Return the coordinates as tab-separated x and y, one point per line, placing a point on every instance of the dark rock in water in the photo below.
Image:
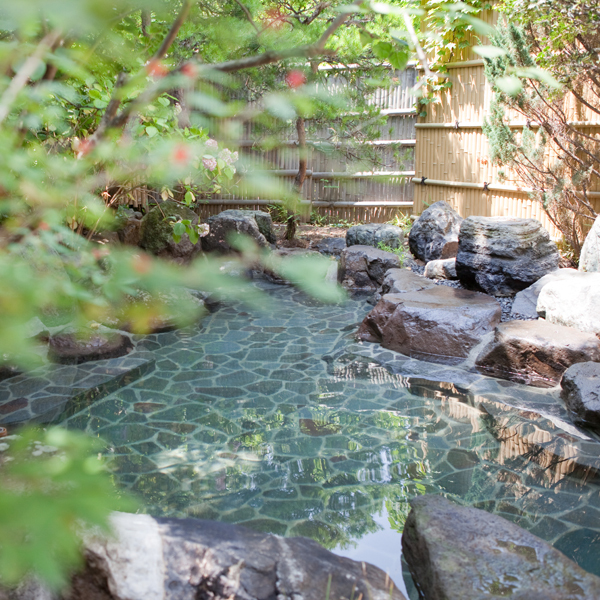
535	352
374	234
189	559
441	269
526	300
434	235
330	246
222	227
573	302
461	553
581	393
73	349
364	267
440	324
589	260
503	255
156	234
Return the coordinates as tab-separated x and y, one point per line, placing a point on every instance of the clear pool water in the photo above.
244	421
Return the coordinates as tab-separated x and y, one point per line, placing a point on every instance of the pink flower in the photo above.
209	163
212	143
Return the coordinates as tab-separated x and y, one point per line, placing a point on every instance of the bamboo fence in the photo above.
451	155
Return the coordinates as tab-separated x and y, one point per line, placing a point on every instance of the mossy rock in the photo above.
157	232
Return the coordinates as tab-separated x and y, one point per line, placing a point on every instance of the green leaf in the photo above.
398	60
151	130
509	85
189	198
365	38
279	106
489	51
382	49
538	74
164	101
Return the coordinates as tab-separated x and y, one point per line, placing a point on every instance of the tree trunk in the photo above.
292	219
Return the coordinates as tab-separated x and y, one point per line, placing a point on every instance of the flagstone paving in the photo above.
279	420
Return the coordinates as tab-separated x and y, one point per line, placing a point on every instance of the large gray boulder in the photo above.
189	559
581	393
223	227
573	302
525	304
503	255
156	232
374	234
434	234
462	553
364	267
440	324
536	353
589	259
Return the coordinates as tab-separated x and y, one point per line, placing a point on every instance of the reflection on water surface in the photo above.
243	421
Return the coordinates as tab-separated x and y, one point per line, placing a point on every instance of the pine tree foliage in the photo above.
553	156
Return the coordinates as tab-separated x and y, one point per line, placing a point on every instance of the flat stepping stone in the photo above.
69	349
535	352
440	324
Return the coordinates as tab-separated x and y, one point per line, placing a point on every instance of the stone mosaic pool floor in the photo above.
278	420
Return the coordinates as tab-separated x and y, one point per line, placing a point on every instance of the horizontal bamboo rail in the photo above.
294	143
493	187
337	174
513	125
317	203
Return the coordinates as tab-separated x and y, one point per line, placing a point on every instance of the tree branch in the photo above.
248	15
19	81
337	23
181	17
